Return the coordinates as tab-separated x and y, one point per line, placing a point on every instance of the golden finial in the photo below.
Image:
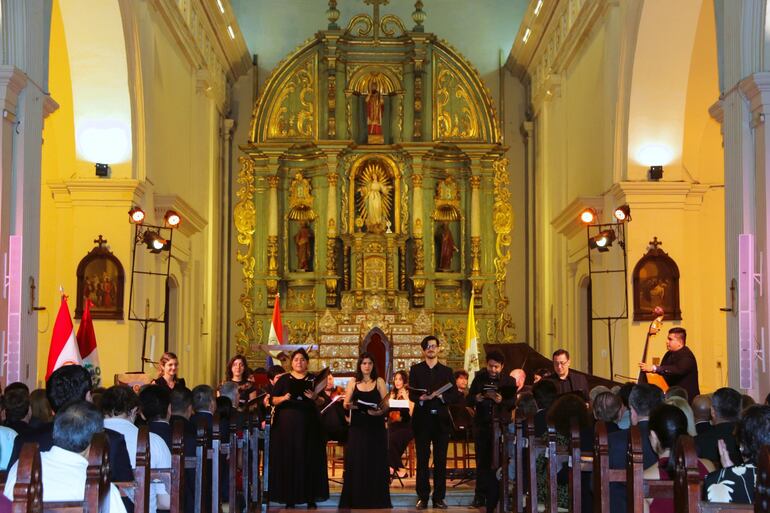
418	16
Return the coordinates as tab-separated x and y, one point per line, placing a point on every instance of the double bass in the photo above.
650	377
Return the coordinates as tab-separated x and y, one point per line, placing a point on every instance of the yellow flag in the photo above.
471	344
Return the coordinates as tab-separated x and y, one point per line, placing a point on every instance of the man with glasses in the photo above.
430	420
565	380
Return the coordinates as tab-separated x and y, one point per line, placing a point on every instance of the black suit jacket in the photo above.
680	368
618	450
423	377
189	474
574	383
706	443
702	427
162	429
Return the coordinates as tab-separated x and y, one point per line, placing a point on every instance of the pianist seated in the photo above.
64	467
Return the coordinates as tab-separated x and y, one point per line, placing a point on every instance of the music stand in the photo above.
462	427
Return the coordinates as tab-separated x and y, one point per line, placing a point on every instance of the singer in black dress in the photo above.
399	425
297	449
366	484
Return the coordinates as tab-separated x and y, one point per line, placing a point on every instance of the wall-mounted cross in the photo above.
101	241
376	15
655	243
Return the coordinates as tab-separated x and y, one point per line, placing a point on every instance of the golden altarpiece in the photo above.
373	193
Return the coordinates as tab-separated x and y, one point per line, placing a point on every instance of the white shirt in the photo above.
7	436
64	478
160	455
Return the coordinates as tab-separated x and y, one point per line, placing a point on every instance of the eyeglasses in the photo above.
431	346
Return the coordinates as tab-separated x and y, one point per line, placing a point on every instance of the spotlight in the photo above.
623	213
154	242
102	169
136	215
602	241
655	173
588	216
172	219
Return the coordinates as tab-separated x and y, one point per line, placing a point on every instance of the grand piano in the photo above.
522	356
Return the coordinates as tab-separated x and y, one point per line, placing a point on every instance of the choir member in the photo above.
399	424
297	449
238	373
366	480
169	366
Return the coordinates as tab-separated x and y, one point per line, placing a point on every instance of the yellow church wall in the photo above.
180	144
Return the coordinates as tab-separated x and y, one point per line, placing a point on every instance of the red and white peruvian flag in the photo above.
87	345
64	347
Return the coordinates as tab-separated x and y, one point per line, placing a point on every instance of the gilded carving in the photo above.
300	199
396	23
449	298
417	106
327	323
452	333
455	111
349	115
331	123
244	216
447	201
365	22
301	298
292	114
301	331
502	222
475	255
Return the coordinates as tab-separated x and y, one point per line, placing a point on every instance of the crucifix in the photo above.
100	241
376	15
654	243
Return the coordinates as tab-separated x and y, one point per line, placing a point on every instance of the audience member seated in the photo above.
67	384
17	410
7	436
64	465
540	374
677	391
120	407
667	423
526	406
598	389
204	405
643	399
608	407
461	383
725	409
735	482
682	404
40	408
623	393
767	400
545	394
155	401
746	401
181	409
701	410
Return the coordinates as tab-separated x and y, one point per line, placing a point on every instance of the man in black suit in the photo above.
565	380
430	421
725	412
678	366
544	392
643	399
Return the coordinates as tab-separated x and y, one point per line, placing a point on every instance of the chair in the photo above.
335	455
173	477
138	490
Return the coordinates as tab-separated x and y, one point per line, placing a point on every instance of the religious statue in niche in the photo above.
446	245
374	109
656	284
303	241
375	198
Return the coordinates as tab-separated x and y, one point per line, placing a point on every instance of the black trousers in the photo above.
431	431
487	486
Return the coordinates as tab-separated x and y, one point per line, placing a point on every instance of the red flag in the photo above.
276	327
64	347
87	345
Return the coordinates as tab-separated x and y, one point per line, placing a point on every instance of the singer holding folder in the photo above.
297	448
431	389
366	481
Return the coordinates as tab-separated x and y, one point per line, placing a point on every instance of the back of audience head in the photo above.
595	391
274	372
545	393
667	423
624	392
181	402
701	408
682	404
566	408
753	432
39	406
767	400
746	401
526	406
519	376
677	391
224	406
230	390
203	399
642	400
120	401
155	402
541	373
75	424
16	403
66	384
607	407
725	405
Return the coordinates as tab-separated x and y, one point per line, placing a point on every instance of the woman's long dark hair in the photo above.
359	374
246	370
404	378
669	423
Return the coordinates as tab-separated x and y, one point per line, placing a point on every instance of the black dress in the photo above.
297	452
399	435
365	481
161	381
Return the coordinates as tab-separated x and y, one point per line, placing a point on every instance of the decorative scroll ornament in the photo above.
292	114
300	199
455	110
375	197
447	201
245	218
502	222
390	23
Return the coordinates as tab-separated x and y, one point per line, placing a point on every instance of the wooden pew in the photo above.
138	490
201	465
173	477
533	448
28	490
603	475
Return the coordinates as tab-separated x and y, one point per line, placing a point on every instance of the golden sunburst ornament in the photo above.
375	199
